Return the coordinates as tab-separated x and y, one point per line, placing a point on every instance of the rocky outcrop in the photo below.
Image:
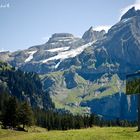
92	35
131	13
70	79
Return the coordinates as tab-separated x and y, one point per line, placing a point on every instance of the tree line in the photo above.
15	114
53	120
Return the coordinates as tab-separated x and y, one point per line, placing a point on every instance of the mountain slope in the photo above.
87	74
23	85
49	56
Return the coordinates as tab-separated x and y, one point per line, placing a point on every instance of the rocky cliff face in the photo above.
131	13
114	106
92	35
88	74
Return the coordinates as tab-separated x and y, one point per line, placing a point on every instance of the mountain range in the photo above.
87	74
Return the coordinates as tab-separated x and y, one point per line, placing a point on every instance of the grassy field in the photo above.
95	133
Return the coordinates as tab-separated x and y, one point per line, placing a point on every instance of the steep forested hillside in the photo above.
24	85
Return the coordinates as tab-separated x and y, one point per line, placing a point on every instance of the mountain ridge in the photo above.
78	71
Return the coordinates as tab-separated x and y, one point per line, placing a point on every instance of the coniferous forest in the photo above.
20	105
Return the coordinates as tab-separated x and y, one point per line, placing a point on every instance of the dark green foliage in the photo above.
9	113
25	114
14	113
133	83
64	121
24	86
133	86
3	98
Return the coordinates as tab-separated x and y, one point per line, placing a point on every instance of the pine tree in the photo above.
9	113
25	115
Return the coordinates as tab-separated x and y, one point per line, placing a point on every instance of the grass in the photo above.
85	91
70	99
95	133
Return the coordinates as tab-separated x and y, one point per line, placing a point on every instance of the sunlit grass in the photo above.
95	133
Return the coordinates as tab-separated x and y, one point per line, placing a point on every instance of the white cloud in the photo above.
102	27
136	5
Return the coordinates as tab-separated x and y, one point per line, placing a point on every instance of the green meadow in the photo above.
95	133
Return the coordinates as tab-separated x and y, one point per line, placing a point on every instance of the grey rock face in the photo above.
114	106
118	51
131	13
4	56
69	79
92	35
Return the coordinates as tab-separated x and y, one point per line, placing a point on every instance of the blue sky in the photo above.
24	23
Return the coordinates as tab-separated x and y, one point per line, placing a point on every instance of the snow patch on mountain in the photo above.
64	40
56	66
58	49
69	53
30	57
